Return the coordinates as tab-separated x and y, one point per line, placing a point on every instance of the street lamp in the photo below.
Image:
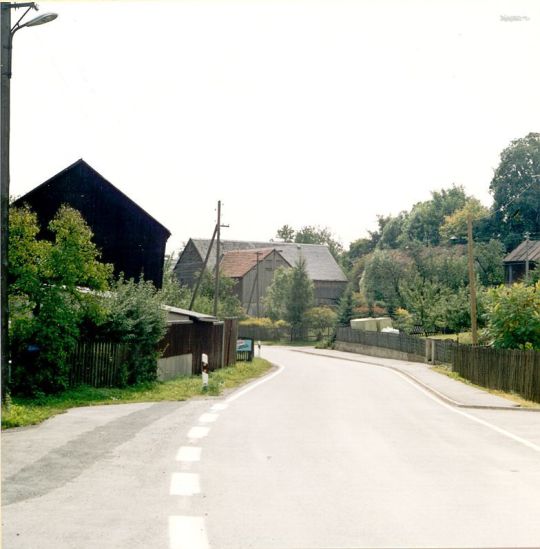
6	38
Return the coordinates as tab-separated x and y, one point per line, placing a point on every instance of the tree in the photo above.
381	278
277	294
135	316
345	308
455	224
300	297
513	316
516	190
48	310
425	219
320	319
286	233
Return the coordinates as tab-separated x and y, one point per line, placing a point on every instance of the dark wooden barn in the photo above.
128	237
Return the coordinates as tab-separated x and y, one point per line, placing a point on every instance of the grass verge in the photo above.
25	411
524	403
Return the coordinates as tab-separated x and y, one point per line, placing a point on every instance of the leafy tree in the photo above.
392	231
455	224
489	258
516	190
382	275
320	319
48	309
277	294
425	219
300	298
357	249
513	316
286	233
135	316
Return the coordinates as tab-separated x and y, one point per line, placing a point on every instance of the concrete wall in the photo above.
175	366
371	350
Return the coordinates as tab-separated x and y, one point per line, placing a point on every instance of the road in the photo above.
322	453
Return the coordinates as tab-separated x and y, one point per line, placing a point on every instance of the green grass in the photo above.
20	412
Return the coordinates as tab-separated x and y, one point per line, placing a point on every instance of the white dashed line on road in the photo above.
189	454
187	533
198	432
185	484
208	418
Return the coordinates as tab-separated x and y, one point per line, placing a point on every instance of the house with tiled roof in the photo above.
253	271
329	281
516	262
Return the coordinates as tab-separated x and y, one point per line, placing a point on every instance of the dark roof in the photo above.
530	250
20	201
236	263
320	263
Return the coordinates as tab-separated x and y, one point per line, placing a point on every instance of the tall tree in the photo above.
286	233
300	297
516	190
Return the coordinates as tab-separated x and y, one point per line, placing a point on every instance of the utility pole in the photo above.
527	244
218	251
472	281
258	254
5	36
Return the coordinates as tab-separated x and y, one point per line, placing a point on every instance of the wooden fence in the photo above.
99	364
504	369
397	342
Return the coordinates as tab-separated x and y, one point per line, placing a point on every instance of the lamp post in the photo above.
6	38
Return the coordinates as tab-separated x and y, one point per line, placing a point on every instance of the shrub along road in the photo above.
319	453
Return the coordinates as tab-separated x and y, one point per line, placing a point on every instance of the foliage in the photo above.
455	224
300	297
320	319
48	309
135	317
489	259
382	276
345	308
403	320
516	190
513	316
286	233
357	249
263	322
278	293
425	219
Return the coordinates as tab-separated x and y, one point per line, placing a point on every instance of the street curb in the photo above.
436	393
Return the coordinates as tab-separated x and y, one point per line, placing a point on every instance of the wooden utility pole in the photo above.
5	35
472	281
258	254
218	251
528	243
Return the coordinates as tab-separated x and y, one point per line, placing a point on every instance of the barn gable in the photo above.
127	236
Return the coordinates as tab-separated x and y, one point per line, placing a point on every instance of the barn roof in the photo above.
236	263
85	166
320	263
530	250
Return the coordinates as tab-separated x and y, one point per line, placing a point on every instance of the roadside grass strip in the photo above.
187	533
20	411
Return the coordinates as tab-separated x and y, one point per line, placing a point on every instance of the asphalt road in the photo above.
323	453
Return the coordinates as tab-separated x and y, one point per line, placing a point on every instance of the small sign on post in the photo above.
244	349
204	360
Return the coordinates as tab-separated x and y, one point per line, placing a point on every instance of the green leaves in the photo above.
513	316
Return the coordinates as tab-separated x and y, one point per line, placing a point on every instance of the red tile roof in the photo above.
237	263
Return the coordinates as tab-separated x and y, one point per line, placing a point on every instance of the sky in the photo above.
324	113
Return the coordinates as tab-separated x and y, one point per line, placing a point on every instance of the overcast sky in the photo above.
290	112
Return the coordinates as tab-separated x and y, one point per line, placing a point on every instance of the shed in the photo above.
127	236
515	262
